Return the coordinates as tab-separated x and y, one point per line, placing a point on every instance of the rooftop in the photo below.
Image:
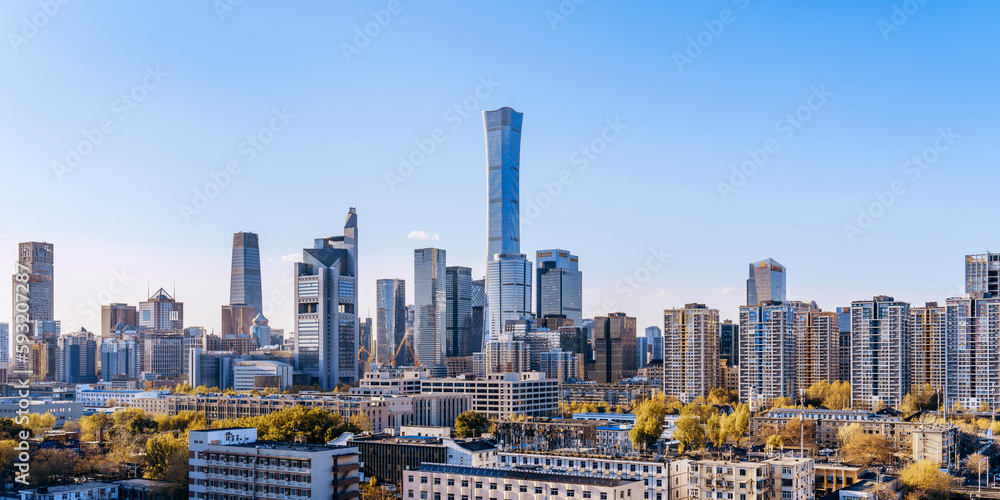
528	475
89	485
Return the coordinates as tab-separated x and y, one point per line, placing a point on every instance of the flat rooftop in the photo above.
527	475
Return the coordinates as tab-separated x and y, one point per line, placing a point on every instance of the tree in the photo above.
160	449
648	424
883	491
925	476
847	432
91	424
690	433
738	423
315	425
793	431
10	430
782	402
372	490
920	398
975	463
867	449
54	467
112	402
715	429
183	421
775	442
721	396
361	421
471	424
41	422
8	455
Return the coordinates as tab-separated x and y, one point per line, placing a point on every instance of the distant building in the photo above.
76	358
261	331
528	393
36	260
390	322
844	364
161	313
429	284
880	352
561	365
115	313
818	338
388	457
506	355
237	319
560	285
163	354
971	338
691	351
614	349
766	282
508	290
458	313
89	489
478	326
729	342
768	350
120	359
982	275
655	337
248	375
244	282
485	481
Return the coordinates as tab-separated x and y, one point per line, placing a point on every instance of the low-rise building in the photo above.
546	434
784	478
93	396
661	479
386	457
392	381
146	489
91	490
63	411
502	395
232	463
259	374
433	481
832	477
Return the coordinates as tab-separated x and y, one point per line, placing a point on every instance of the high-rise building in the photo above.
844	325
880	352
119	359
478	302
163	353
641	351
261	331
691	351
508	291
614	349
244	281
116	313
458	328
655	337
326	319
818	339
503	163
560	365
4	342
506	355
972	368
768	350
34	259
766	282
560	285
927	354
76	358
365	340
729	342
982	275
429	294
237	319
161	313
390	322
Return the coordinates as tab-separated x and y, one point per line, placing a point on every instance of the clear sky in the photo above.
826	101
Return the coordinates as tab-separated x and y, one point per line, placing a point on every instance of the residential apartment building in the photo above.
433	481
691	351
232	463
660	480
880	352
818	348
784	478
768	353
972	340
501	395
927	352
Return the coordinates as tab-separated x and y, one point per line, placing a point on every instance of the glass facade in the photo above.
244	282
390	321
38	258
161	313
458	328
503	157
429	285
766	282
560	285
508	291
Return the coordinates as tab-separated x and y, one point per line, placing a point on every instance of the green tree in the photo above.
471	424
648	424
926	478
91	424
738	422
774	442
715	429
690	433
160	449
361	421
39	423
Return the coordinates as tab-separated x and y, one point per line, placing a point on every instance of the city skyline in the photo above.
667	161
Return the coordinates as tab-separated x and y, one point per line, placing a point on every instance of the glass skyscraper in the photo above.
503	161
36	260
458	329
244	282
560	285
326	319
766	282
429	271
390	322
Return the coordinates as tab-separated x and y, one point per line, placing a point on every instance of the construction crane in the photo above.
409	347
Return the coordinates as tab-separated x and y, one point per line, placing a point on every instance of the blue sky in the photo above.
869	90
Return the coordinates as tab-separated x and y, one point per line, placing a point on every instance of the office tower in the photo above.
391	322
478	326
614	349
729	342
116	313
35	260
766	282
76	358
163	353
506	355
365	340
458	328
655	337
560	285
574	339
880	352
972	368
119	360
691	351
927	354
641	351
194	337
430	297
244	281
818	338
261	331
768	367
326	320
237	319
982	275
4	342
560	365
161	313
844	325
508	290
503	162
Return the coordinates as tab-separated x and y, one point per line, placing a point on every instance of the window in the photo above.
604	496
437	480
522	489
465	483
538	490
586	494
506	487
451	482
423	479
479	484
571	493
493	486
423	495
553	491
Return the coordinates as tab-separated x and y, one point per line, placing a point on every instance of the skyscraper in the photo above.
237	319
76	358
326	319
927	355
560	285
691	351
844	325
36	260
244	281
430	297
116	313
503	162
458	330
655	337
508	290
478	315
261	331
970	361
161	313
766	282
119	358
4	342
880	352
818	338
982	275
503	159
768	351
729	342
390	319
614	349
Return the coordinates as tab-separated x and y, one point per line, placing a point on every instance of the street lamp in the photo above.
979	468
